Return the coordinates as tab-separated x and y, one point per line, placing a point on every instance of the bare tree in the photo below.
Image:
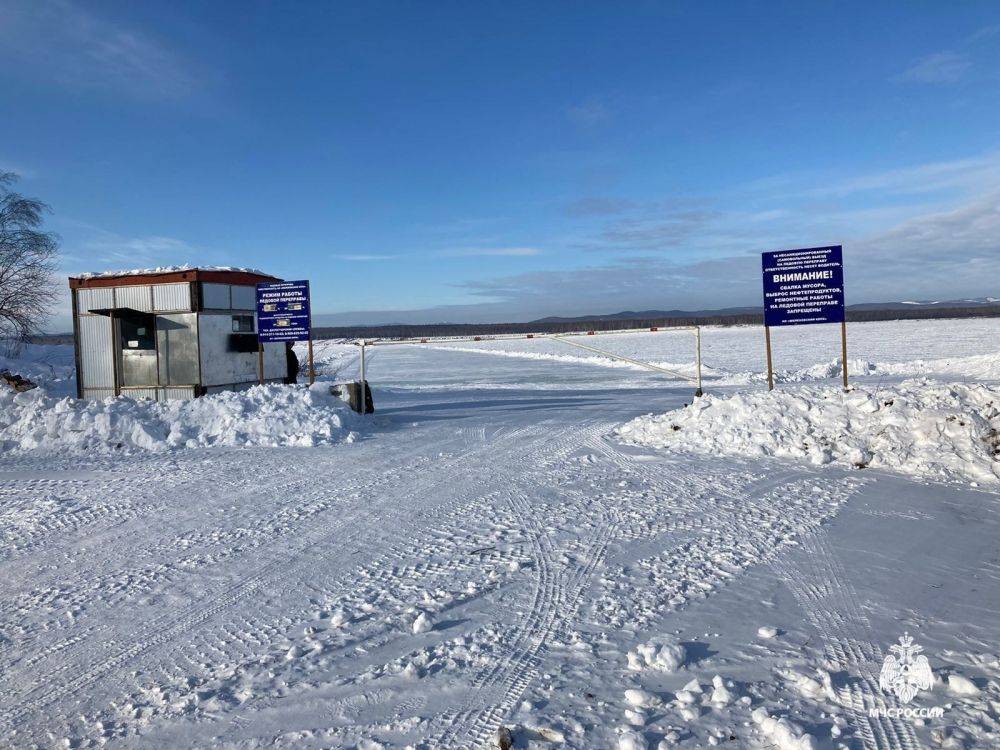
27	265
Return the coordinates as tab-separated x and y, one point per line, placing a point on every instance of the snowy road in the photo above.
264	597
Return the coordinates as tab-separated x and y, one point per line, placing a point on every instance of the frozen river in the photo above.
486	554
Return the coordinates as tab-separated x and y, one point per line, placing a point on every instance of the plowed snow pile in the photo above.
921	427
263	415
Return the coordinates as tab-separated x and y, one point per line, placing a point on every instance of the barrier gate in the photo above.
565	338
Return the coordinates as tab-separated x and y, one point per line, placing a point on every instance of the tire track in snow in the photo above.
69	679
558	441
555	602
821	586
141	579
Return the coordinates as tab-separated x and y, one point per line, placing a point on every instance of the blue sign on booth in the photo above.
283	311
803	286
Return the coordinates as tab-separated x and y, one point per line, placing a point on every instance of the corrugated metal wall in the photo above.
101	298
136	297
96	352
172	297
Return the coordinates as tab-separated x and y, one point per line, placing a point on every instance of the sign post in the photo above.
284	315
803	287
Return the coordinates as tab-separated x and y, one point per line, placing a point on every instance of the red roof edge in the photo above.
239	278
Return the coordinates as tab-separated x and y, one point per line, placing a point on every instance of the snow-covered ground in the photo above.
493	549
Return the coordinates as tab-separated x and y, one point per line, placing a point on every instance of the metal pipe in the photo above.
843	350
626	359
697	337
362	367
507	336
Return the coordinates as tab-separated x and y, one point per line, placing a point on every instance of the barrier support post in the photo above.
312	370
697	336
260	362
362	366
770	369
843	349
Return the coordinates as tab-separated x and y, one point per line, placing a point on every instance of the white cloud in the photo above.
514	252
941	67
364	257
972	173
968	231
77	48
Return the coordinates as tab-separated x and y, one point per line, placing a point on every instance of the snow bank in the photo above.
263	415
51	365
920	427
977	367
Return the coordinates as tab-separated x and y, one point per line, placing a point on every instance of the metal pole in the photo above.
312	370
260	362
843	349
362	368
697	336
770	369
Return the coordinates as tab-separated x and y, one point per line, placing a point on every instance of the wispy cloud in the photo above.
938	255
922	230
970	230
966	174
513	252
589	112
364	257
78	48
110	249
599	206
941	67
668	231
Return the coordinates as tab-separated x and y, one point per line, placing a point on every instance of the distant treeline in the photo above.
492	329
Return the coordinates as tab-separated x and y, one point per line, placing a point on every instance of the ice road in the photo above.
487	553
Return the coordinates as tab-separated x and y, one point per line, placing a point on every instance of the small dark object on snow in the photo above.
16	382
675	427
504	740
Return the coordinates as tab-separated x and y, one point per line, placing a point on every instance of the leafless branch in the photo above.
27	265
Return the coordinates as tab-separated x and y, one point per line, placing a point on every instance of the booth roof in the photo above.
166	274
166	269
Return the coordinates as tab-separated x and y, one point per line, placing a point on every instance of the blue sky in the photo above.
506	161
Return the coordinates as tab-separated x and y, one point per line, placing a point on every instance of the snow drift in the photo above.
262	415
920	427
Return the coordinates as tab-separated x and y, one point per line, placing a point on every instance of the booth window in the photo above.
243	324
137	333
243	338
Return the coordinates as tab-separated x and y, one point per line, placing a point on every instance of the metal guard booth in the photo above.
169	334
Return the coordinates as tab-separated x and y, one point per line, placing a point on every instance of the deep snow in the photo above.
488	552
268	415
922	427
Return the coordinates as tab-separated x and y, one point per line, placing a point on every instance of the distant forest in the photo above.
492	329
